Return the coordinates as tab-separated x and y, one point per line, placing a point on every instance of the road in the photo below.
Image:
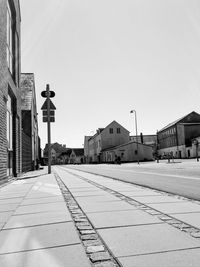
180	178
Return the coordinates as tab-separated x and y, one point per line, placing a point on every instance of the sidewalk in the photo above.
37	228
141	227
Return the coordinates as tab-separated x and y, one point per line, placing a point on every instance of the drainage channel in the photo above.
98	253
178	224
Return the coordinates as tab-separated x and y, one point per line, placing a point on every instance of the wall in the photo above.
127	153
26	153
11	82
114	139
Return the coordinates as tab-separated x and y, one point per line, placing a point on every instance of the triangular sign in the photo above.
44	106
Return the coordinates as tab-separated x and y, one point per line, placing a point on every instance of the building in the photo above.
57	151
30	146
175	139
10	96
128	153
112	135
76	156
147	139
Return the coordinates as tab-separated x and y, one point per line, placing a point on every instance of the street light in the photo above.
134	111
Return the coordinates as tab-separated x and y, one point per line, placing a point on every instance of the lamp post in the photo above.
134	111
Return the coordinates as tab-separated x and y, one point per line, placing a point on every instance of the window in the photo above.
111	130
118	130
9	38
12	46
9	115
9	123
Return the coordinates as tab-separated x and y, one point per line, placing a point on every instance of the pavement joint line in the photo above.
191	230
40	203
95	253
19	204
128	225
159	252
36	249
36	225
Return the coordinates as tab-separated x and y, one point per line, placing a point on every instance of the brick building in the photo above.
10	99
30	146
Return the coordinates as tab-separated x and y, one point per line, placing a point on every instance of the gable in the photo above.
115	124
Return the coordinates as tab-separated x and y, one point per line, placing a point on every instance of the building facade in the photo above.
30	144
128	153
112	135
10	97
175	140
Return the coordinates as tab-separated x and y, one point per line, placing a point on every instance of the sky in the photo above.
105	58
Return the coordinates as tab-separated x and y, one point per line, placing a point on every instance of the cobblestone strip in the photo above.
97	252
187	228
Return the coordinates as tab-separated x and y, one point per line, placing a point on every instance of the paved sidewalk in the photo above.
137	237
36	226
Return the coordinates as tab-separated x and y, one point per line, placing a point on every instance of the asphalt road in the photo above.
180	178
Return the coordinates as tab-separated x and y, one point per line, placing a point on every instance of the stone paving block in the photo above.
121	218
4	216
16	200
99	199
172	208
134	240
8	207
43	194
190	218
38	237
58	206
13	195
26	220
105	264
105	206
33	201
88	193
180	258
89	189
99	256
95	248
72	256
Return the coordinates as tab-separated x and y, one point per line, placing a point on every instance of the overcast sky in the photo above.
104	58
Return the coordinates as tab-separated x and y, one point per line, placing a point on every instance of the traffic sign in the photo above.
44	112
51	94
44	106
45	119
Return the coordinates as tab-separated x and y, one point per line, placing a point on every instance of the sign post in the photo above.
48	116
48	129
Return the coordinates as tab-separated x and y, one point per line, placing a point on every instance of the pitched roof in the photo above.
100	130
178	121
27	86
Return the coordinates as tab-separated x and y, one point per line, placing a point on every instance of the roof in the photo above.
100	130
179	120
78	151
27	86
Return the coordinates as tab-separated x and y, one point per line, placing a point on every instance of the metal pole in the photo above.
136	136
48	129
